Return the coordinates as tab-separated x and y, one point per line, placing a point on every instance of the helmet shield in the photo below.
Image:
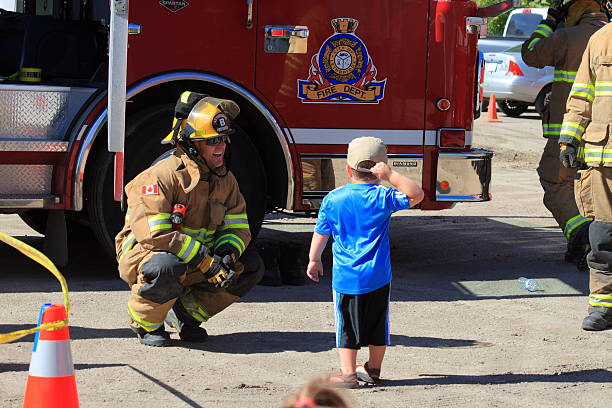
210	117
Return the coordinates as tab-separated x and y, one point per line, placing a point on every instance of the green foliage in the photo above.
497	24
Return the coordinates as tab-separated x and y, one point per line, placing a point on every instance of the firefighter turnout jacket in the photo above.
588	125
589	108
215	216
561	48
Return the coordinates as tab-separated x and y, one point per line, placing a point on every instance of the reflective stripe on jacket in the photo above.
561	49
588	121
215	214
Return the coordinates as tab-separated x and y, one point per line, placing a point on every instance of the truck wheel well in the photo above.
261	133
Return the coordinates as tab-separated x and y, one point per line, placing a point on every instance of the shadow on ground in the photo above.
430	255
76	332
256	342
581	376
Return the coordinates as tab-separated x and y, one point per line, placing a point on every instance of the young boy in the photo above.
357	215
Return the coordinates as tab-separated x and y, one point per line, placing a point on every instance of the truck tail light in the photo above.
453	138
514	69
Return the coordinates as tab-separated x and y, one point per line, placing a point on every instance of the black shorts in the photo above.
362	320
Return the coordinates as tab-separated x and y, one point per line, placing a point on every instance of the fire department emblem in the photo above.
343	70
174	5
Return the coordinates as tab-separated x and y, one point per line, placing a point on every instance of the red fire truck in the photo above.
308	76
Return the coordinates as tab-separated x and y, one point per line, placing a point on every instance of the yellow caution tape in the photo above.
46	262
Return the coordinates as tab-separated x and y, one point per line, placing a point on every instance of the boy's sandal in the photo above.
343	381
367	374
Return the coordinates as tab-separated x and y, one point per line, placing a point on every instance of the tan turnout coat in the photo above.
215	214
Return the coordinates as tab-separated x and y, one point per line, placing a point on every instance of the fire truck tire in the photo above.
246	164
144	132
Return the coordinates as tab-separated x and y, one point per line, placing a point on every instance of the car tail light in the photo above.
454	138
527	10
514	69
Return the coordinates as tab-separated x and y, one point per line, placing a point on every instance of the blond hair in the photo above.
317	394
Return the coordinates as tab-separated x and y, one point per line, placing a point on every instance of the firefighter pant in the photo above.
594	199
164	279
558	184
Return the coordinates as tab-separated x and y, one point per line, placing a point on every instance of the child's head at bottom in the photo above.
317	394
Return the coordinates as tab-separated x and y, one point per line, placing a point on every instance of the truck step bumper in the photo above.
29	201
464	176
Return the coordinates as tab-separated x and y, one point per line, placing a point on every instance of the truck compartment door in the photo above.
344	65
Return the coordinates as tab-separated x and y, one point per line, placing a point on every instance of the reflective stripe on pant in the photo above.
600	262
558	184
204	300
150	301
158	284
594	198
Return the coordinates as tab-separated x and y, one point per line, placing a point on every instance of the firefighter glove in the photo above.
568	156
557	12
220	274
228	253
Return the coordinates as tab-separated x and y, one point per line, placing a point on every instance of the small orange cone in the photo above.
492	111
51	382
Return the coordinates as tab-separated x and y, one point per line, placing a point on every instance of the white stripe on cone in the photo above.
58	350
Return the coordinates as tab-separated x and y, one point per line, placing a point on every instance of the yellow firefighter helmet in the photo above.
209	118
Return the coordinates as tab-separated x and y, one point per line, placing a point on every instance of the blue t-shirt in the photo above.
357	216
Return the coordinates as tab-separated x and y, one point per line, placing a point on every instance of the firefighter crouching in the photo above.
563	49
586	135
186	229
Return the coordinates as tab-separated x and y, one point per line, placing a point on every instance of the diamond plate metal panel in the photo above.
33	146
33	114
20	179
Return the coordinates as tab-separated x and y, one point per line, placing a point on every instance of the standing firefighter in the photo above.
185	229
587	128
562	48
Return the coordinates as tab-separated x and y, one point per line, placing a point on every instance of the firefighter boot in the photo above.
156	338
269	253
599	318
187	327
292	264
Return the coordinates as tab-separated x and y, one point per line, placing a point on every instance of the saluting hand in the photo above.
382	171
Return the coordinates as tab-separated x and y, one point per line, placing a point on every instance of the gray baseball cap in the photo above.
365	149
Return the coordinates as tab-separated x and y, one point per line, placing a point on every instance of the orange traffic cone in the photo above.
492	111
51	382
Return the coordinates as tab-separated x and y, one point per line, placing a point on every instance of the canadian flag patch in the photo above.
151	189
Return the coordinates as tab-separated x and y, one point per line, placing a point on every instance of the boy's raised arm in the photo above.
414	193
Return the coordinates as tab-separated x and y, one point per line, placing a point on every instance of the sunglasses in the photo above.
214	141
